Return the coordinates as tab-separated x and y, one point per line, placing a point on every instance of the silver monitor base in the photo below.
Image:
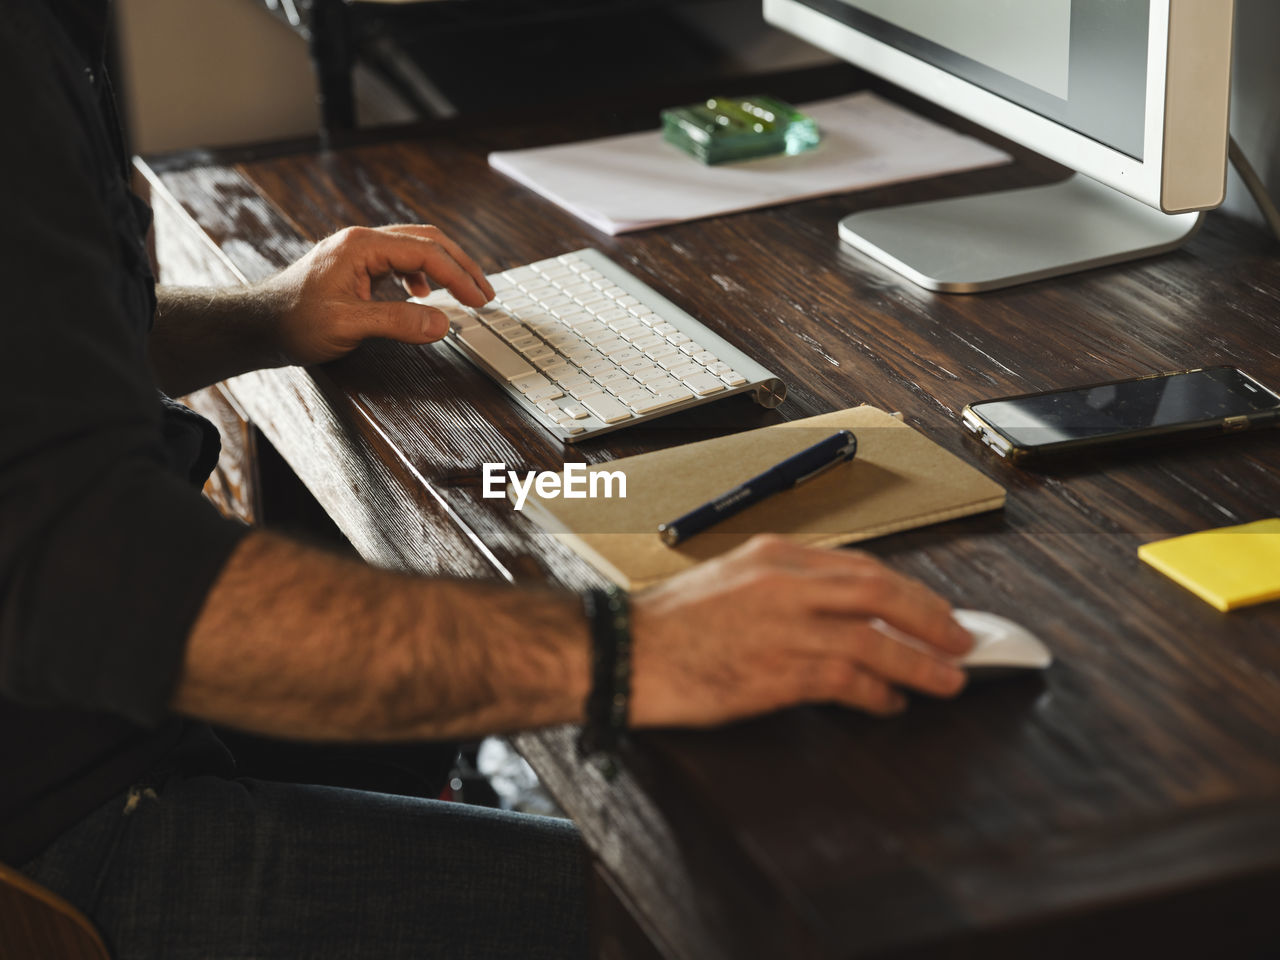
995	240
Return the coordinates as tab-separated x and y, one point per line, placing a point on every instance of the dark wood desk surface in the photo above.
1130	796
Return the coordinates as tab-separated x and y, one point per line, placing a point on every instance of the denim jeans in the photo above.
210	868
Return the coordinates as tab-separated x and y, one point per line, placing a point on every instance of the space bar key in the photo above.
506	362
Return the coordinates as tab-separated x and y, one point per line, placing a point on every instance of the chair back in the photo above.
37	923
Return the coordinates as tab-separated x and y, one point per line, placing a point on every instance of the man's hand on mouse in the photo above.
322	305
773	624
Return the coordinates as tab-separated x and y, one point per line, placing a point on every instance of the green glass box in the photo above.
723	129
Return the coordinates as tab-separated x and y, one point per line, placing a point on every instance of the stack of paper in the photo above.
620	184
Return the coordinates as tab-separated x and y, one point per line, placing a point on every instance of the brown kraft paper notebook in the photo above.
899	480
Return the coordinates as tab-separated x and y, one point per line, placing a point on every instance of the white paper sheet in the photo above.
635	181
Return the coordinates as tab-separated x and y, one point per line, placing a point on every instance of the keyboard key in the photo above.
613	316
606	408
530	381
677	338
614	346
459	318
650	375
704	384
614	376
522	339
641	407
733	378
629	327
548	392
636	366
665	329
577	411
634	395
663	384
686	370
502	359
596	367
719	369
705	357
627	355
518	274
562	338
580	353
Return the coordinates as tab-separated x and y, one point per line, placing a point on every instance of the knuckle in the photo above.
765	544
350	236
874	590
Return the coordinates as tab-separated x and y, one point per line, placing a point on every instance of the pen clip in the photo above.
843	455
821	470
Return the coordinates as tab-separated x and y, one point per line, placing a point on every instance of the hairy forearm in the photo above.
294	642
204	334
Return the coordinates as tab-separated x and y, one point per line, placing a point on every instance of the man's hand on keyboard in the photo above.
323	303
773	624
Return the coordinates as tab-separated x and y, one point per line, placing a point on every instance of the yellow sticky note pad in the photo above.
1229	567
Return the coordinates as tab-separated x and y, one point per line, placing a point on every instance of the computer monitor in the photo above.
1132	94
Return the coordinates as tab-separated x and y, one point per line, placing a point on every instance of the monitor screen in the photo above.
1079	63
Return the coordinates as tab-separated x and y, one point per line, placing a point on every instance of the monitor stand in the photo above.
993	240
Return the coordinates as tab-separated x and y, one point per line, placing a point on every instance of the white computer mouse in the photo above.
1000	645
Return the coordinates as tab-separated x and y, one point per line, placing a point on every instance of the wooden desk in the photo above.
1128	800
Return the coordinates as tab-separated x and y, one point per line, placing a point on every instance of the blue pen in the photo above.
808	463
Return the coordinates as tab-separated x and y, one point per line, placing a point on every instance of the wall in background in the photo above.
1255	104
211	72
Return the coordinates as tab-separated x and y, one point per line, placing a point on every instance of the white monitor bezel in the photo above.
1187	104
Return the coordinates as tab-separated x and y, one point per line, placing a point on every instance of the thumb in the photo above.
405	321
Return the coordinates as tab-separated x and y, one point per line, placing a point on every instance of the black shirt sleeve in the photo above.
107	551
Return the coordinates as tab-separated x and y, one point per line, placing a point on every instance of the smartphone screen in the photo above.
1126	407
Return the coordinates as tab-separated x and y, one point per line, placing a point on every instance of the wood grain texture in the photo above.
233	486
1137	781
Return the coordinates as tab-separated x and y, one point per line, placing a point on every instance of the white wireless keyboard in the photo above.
587	348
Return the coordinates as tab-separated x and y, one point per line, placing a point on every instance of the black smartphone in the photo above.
1162	406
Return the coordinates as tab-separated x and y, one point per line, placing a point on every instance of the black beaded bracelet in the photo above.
609	702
